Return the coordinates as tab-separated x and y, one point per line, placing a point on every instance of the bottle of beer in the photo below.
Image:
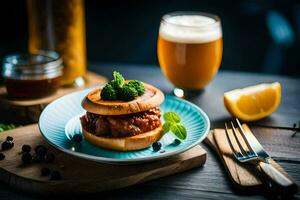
59	25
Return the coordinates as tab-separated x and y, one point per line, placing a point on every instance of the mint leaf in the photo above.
179	130
173	123
171	117
166	127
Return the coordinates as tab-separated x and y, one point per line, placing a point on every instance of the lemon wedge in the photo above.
254	102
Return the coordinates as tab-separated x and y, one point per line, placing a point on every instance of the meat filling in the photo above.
122	125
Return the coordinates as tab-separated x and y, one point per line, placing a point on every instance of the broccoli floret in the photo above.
138	85
127	93
118	81
108	93
118	89
115	84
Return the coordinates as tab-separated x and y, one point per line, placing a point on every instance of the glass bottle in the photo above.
59	25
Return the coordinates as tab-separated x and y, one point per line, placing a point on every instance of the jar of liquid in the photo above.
59	25
32	75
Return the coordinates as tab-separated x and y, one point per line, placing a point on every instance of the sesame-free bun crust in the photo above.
93	103
136	142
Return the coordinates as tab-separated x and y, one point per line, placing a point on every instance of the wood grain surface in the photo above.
79	175
243	176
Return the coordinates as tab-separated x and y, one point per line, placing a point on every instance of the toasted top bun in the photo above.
93	103
136	142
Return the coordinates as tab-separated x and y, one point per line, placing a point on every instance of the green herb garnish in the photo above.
5	127
117	89
127	93
138	85
109	93
296	127
172	123
118	81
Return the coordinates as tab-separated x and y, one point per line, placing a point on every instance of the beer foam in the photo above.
190	29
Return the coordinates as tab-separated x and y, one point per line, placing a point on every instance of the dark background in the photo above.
259	36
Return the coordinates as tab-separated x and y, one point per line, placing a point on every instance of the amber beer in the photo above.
190	49
59	25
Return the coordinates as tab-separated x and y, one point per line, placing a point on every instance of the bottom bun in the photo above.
136	142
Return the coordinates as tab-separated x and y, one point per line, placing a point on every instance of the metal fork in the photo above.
251	152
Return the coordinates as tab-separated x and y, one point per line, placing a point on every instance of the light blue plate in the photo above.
60	121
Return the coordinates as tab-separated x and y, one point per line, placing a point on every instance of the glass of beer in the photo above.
189	50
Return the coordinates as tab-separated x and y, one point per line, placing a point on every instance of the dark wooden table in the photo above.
211	181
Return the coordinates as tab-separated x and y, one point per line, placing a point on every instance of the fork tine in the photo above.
235	153
243	152
244	136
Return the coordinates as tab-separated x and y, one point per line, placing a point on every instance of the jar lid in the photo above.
44	64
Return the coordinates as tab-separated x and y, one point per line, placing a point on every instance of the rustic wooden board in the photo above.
29	110
79	175
243	176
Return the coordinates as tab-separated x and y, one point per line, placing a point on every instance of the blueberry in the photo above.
55	175
49	157
26	148
2	156
77	138
40	150
7	145
39	158
26	157
45	171
156	146
9	138
177	141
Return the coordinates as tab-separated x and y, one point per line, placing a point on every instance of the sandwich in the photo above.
123	115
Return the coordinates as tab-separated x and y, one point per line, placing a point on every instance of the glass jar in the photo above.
32	75
59	25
